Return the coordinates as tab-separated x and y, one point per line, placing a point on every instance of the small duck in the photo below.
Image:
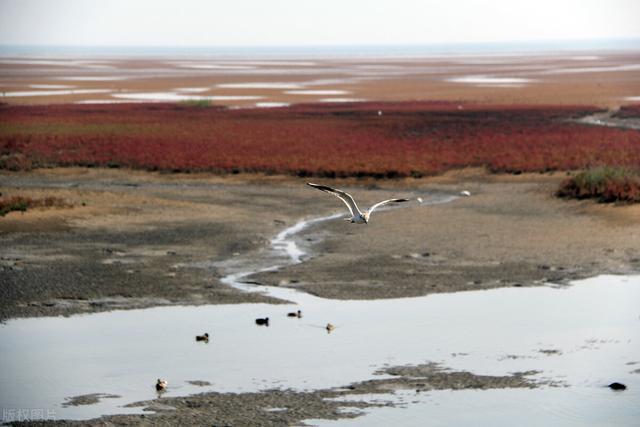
204	337
617	386
294	314
161	385
330	327
261	321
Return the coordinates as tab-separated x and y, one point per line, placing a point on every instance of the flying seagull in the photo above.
357	216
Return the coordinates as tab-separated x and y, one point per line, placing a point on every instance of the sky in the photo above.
311	22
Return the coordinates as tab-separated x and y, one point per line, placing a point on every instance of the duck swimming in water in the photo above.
261	321
204	337
330	327
295	314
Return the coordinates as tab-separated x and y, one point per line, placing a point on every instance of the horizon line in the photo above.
336	45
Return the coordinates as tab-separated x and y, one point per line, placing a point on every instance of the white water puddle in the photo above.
59	63
93	78
601	69
317	92
378	67
107	101
22	93
216	66
175	97
586	336
585	58
338	100
192	89
340	81
37	86
490	80
502	85
277	63
272	104
260	85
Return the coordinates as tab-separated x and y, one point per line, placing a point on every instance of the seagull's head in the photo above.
365	217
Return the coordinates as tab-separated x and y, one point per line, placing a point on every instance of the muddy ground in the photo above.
287	407
135	239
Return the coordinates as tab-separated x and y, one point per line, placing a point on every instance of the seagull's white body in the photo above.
357	216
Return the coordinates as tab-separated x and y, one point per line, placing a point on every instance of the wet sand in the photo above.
601	78
136	239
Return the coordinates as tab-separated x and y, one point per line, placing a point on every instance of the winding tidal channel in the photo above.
579	338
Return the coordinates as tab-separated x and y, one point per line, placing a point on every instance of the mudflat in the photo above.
140	239
602	78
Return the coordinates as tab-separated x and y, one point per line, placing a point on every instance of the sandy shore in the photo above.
137	239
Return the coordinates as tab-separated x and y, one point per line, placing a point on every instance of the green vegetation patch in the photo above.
197	103
607	184
21	203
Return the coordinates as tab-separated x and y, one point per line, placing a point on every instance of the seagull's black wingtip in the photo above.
320	187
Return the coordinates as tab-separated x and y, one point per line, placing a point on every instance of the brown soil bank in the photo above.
143	239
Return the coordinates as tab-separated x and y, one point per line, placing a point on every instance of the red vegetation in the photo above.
408	139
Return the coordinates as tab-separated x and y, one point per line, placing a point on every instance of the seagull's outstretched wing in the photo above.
386	202
345	197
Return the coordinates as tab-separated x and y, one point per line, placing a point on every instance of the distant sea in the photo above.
417	50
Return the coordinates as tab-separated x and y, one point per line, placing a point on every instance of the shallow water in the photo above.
215	66
172	96
338	100
45	86
542	407
599	69
585	336
107	101
492	80
317	92
272	104
59	62
585	58
260	85
57	92
592	325
192	89
92	78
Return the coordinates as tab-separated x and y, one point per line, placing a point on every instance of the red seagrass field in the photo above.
358	139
